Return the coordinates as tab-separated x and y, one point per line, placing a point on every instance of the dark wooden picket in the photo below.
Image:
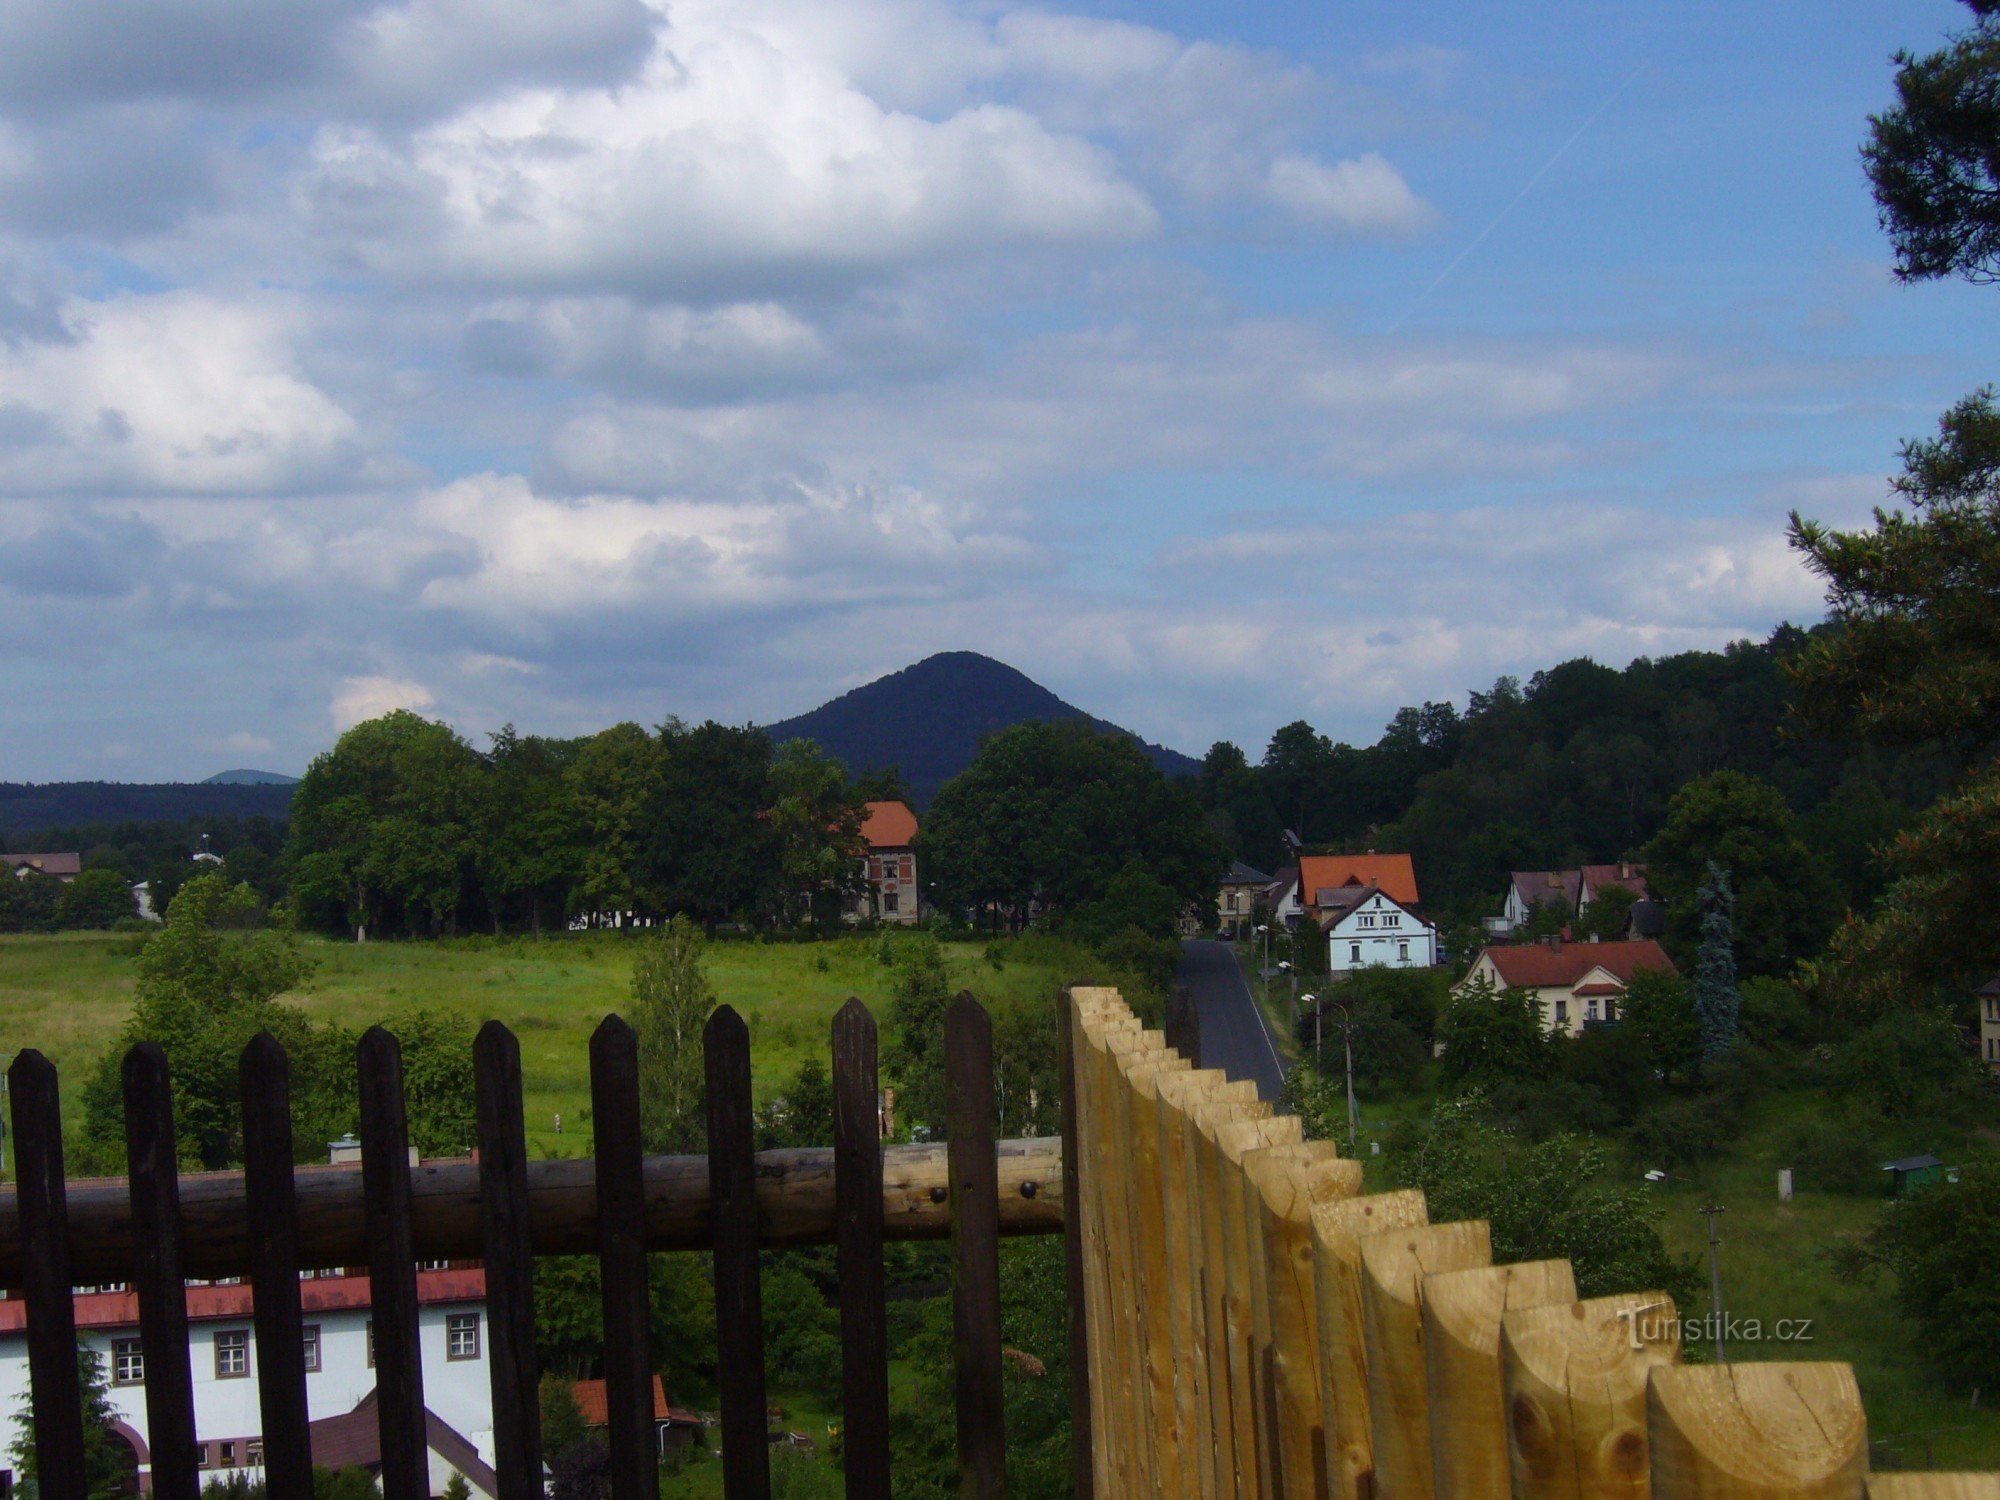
975	1249
41	1193
392	1270
158	1271
259	1225
621	1258
739	1304
864	1317
271	1198
508	1245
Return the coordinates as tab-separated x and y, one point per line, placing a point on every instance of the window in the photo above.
1392	920
310	1340
461	1336
1403	952
128	1362
1354	953
433	1265
253	1453
225	1455
371	1343
891	901
201	1457
232	1354
1562	1012
1590	1011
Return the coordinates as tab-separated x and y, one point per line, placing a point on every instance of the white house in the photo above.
340	1365
1370	929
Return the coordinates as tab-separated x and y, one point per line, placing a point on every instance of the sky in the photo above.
559	362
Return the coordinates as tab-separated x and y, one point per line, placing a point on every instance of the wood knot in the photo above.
1628	1454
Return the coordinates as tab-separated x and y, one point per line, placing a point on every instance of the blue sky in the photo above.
564	363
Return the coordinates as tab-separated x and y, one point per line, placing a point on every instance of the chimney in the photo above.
1555	941
1625	869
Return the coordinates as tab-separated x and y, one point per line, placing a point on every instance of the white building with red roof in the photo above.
1574	983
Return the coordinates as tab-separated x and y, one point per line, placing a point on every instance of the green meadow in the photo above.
70	994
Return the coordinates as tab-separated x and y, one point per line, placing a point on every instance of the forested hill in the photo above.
27	808
928	719
1578	764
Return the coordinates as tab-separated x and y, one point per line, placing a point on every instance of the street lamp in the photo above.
1285	968
1264	964
1347	1043
1714	1265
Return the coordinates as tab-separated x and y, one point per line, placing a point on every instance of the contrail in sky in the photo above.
1514	202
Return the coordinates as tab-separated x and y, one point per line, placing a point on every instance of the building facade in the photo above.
888	889
1574	984
222	1348
1243	890
1988	997
1373	931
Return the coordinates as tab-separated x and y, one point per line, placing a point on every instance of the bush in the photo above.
1615	1063
1910	1064
1939	1243
1493	1036
1679	1133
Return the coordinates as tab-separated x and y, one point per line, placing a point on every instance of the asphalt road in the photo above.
1233	1034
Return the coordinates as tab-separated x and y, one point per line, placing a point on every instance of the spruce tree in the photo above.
1716	1001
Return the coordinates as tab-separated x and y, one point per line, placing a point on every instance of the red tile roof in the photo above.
889	825
591	1402
1392	873
232	1303
1600	877
354	1439
1536	966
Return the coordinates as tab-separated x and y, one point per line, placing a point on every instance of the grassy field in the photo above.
69	995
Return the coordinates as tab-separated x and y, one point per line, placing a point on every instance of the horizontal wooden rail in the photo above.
795	1206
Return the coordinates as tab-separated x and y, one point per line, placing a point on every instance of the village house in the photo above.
1988	996
340	1372
1572	892
1574	984
63	867
1281	898
889	891
1241	894
1323	876
674	1429
1367	928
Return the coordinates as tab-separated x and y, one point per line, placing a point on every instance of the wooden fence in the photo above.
1260	1326
271	1221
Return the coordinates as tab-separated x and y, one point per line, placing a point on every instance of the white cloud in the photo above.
245	742
359	698
173	392
728	163
1362	196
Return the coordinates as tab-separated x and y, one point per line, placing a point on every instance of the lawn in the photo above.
69	995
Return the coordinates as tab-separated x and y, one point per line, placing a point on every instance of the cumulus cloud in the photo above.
359	698
174	392
729	163
1362	196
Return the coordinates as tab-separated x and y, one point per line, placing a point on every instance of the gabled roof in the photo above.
889	825
590	1400
1242	874
63	866
1393	873
1535	966
1625	875
1991	987
1537	886
354	1439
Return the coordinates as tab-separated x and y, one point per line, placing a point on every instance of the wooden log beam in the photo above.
795	1206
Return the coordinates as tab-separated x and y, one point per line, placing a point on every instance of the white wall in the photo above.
1378	932
459	1391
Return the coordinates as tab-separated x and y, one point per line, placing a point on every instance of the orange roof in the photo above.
591	1402
1393	874
889	825
1535	966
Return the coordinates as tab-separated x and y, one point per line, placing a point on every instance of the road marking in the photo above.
1263	1026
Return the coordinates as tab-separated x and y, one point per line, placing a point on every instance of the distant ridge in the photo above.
37	808
929	719
250	778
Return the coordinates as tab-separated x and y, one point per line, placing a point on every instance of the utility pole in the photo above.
1715	1280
